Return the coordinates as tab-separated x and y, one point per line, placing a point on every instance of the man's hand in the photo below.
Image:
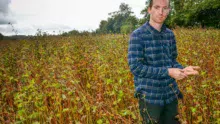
191	70
177	73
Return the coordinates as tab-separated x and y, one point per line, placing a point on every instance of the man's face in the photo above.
159	11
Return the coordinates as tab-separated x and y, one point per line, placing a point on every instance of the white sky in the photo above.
58	15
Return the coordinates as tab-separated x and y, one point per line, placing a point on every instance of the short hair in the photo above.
151	3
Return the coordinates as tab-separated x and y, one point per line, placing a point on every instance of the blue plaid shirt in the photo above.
150	54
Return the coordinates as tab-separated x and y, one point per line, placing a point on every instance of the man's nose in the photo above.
161	11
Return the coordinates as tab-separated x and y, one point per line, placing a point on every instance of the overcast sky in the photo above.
57	16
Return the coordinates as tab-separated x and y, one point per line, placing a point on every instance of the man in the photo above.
152	57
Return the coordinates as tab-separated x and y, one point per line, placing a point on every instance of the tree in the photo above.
124	10
120	17
207	13
1	36
74	32
129	25
118	21
196	12
103	27
191	13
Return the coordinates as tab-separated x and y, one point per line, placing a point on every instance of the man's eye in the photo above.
166	8
156	7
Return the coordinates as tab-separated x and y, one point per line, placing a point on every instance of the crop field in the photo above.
86	79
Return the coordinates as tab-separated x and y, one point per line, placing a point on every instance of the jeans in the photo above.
156	114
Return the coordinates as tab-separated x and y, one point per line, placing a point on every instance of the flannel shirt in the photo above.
150	54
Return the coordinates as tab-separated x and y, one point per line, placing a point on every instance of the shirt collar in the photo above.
153	30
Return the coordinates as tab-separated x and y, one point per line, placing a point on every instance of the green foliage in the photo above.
121	21
73	32
125	29
77	33
207	13
129	25
103	26
195	13
185	13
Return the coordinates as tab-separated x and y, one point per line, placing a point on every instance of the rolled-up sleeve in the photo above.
136	61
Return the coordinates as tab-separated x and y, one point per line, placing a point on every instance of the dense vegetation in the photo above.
184	13
86	79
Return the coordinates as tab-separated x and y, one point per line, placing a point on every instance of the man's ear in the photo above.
149	10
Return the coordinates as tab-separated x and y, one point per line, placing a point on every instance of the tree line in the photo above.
184	13
1	36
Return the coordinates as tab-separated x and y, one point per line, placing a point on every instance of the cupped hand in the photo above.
177	73
191	70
